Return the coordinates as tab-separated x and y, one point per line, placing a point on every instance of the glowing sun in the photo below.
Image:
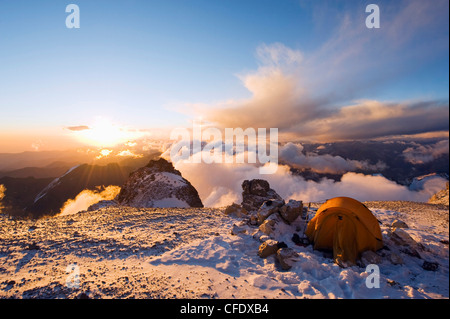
104	133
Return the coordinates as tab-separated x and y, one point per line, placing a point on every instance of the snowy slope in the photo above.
191	253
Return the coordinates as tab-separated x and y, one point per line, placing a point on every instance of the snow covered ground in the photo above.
118	252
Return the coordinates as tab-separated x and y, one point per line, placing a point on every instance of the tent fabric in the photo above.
347	227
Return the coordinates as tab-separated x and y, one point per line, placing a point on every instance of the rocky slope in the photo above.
440	197
158	184
124	252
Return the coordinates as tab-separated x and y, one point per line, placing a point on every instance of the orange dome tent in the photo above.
346	226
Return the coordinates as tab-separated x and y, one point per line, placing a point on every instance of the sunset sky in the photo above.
310	68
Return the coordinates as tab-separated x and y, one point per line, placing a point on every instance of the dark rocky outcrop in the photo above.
158	184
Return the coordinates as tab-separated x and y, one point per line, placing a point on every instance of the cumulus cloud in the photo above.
317	95
87	198
421	154
292	154
220	184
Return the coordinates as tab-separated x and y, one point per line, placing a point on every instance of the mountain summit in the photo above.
158	184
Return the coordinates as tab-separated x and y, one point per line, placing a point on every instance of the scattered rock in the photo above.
236	230
33	246
402	238
259	235
282	245
292	210
287	257
430	266
269	225
370	257
396	259
267	248
255	192
393	283
268	208
299	240
408	245
399	224
236	210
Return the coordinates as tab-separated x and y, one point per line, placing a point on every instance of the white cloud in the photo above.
87	198
422	154
292	154
317	95
220	184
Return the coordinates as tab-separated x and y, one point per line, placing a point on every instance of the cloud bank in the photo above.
87	198
220	184
318	95
422	154
292	154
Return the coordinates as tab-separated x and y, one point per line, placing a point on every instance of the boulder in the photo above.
399	224
369	257
267	227
268	208
267	248
236	210
269	224
255	192
402	238
292	210
253	219
407	244
287	257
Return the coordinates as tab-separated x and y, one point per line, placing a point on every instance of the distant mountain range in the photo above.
39	183
50	200
398	157
39	191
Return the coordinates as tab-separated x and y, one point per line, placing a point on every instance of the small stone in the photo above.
236	210
33	246
396	259
370	257
267	248
292	210
402	238
399	224
268	208
287	257
267	227
430	266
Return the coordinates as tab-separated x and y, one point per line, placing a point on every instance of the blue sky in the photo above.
143	64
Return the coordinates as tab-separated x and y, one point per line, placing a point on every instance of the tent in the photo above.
347	227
